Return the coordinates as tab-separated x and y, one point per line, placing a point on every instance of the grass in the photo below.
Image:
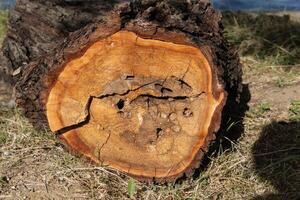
281	82
268	38
294	110
3	19
262	164
3	137
131	187
260	109
235	173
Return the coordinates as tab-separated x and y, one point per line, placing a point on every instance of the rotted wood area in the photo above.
139	105
143	90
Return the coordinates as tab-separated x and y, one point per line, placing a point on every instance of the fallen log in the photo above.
141	90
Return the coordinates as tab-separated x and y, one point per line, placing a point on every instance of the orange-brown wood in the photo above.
143	106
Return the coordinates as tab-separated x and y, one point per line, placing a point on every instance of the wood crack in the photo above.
102	146
169	98
87	109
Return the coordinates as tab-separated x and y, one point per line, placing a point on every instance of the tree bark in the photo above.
36	27
141	88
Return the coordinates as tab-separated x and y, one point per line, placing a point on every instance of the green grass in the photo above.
3	137
271	39
280	82
131	187
294	110
3	19
259	110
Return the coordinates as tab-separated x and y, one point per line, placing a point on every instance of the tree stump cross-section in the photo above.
139	105
142	86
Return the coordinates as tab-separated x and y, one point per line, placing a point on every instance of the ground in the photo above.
263	163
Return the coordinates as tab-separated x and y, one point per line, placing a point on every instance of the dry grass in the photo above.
295	15
268	38
264	163
35	165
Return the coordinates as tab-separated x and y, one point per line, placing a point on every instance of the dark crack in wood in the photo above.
148	96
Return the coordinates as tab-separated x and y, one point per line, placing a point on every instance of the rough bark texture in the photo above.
42	41
36	28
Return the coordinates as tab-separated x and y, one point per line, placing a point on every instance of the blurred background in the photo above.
6	4
257	5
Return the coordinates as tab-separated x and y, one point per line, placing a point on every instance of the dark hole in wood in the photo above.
158	131
187	112
129	77
121	104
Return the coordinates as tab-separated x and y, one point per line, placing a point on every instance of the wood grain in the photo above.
140	100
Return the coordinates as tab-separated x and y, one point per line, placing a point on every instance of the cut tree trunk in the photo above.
37	27
141	90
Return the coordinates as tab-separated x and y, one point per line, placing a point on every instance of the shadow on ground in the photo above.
276	157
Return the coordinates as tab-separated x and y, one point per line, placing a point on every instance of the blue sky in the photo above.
257	4
238	4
